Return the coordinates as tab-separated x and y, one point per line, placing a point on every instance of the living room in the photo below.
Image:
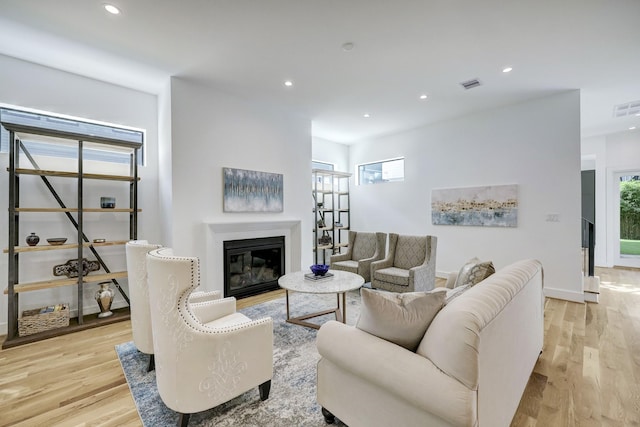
194	129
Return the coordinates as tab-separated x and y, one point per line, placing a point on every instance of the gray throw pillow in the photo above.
401	318
474	272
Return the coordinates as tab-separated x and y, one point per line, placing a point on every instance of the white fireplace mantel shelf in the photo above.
217	232
218	226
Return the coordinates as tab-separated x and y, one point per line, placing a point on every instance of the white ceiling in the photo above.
402	49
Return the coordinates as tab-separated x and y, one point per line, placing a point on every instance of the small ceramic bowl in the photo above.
57	240
319	269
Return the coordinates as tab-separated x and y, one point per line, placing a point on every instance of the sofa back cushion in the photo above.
452	341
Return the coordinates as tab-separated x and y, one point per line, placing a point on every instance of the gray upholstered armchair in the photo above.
363	249
410	264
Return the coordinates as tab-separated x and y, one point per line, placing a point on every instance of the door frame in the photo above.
614	226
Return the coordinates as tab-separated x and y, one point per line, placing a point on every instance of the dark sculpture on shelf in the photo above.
70	268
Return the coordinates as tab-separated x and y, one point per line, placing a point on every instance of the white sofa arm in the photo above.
215	309
402	373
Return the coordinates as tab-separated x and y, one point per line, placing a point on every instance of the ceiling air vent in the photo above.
470	84
628	109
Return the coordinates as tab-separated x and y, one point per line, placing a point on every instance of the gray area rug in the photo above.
292	401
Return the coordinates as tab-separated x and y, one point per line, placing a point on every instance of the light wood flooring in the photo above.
588	373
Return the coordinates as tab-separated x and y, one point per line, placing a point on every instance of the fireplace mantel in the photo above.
218	231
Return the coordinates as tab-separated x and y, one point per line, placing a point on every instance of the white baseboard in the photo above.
442	274
564	294
591	297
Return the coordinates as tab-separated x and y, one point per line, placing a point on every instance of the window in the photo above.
322	165
382	171
50	148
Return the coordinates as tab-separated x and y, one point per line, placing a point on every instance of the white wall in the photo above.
212	130
535	145
327	151
165	214
619	152
25	84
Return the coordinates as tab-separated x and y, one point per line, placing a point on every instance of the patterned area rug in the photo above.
292	401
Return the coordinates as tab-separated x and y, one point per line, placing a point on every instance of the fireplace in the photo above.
252	266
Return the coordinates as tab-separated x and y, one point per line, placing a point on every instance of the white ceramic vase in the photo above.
104	296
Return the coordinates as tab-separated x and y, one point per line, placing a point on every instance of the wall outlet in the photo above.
553	217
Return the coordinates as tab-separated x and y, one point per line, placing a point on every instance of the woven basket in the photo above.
33	321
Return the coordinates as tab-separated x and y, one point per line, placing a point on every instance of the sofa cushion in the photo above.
455	292
401	318
474	272
397	276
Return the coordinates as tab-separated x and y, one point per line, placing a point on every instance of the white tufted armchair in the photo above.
136	252
410	264
363	249
206	352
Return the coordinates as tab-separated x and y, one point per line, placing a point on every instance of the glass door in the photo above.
628	215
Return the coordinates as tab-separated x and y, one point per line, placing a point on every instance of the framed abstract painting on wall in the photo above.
489	206
252	191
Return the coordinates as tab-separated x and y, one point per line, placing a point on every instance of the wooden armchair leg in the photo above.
264	388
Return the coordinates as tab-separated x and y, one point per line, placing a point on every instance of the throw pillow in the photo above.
401	318
474	272
455	292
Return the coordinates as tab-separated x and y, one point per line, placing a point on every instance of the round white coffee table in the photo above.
339	283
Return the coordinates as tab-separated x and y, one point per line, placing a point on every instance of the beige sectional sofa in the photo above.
470	368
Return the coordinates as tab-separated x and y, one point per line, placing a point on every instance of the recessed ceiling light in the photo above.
366	115
111	9
632	128
288	83
347	46
423	96
507	69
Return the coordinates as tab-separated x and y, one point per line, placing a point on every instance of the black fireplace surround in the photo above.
252	266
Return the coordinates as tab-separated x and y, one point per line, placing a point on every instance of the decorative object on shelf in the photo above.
99	240
490	206
252	191
319	269
55	241
320	205
104	297
33	239
325	240
338	224
70	268
321	223
107	202
43	319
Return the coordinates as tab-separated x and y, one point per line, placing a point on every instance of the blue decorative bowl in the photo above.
319	269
